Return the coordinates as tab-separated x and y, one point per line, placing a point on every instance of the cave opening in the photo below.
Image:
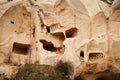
72	32
20	48
48	29
12	22
48	45
82	54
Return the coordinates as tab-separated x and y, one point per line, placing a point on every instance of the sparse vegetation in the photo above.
39	72
65	67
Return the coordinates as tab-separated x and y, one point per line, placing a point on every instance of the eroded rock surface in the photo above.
83	32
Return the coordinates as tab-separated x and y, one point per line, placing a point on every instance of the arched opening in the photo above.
48	29
82	54
72	32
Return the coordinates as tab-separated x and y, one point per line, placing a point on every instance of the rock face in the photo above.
83	32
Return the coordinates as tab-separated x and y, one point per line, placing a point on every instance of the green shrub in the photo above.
65	67
39	72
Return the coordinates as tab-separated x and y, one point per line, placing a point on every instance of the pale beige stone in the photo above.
83	32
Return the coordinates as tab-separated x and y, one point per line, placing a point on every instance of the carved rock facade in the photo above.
85	33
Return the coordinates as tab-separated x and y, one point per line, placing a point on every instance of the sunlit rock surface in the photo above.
83	32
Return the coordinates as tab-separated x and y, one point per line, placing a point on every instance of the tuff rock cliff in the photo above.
83	32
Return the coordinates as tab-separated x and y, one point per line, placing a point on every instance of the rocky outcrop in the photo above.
83	32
